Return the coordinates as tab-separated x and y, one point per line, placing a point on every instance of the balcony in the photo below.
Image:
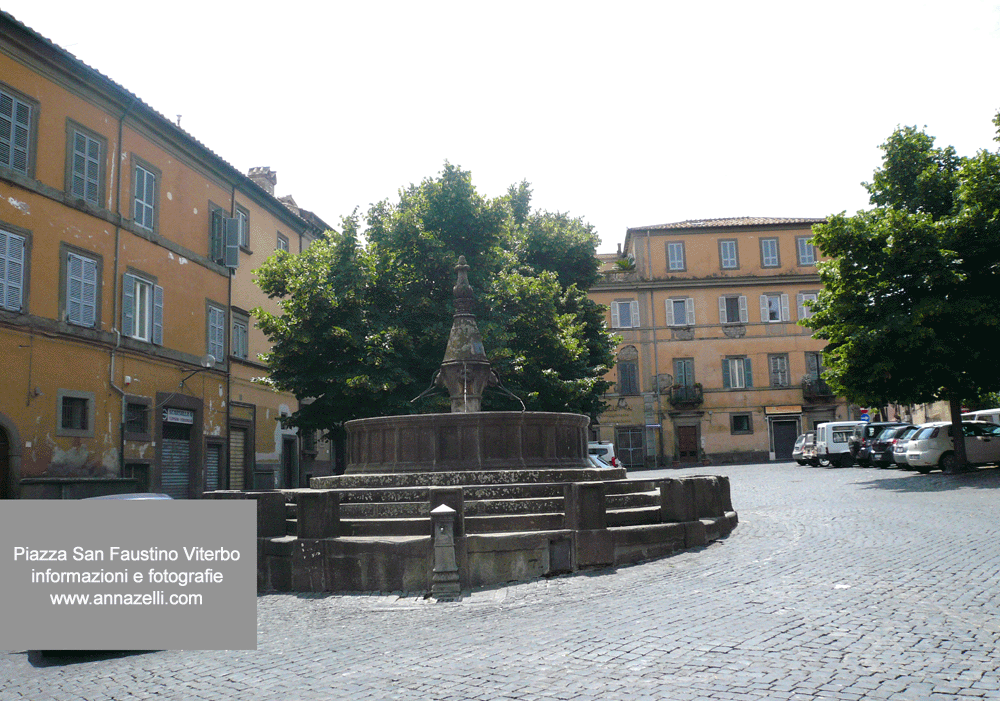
815	389
685	396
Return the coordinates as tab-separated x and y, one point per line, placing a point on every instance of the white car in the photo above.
902	443
605	450
932	446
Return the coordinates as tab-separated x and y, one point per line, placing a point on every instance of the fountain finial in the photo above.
465	371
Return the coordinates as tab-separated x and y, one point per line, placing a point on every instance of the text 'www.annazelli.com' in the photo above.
156	598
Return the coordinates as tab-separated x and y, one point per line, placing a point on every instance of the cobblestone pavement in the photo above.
837	584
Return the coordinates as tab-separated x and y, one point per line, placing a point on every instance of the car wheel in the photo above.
823	462
948	462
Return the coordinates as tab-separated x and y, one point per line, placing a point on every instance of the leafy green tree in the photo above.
911	303
363	328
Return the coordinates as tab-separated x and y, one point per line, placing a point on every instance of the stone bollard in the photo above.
445	584
585	506
676	500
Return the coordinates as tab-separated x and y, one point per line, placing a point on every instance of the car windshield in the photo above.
907	432
924	433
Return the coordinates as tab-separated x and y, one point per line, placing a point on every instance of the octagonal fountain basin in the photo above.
459	442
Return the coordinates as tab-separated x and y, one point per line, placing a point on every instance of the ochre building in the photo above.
713	365
126	251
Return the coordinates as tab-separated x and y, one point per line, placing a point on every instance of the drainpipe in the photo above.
656	358
229	338
117	163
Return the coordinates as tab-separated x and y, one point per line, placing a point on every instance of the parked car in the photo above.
902	441
799	453
134	496
988	415
862	437
932	447
599	462
882	451
832	446
604	450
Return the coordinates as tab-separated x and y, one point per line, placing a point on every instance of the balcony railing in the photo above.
815	389
686	395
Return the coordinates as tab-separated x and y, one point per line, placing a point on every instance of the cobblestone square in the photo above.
837	584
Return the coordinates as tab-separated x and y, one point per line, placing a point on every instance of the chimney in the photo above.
265	177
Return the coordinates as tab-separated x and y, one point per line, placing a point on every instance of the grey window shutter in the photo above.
722	310
614	315
74	289
11	271
764	315
748	372
217	243
784	307
743	309
128	305
726	381
89	288
670	312
689	310
800	303
232	243
158	315
634	305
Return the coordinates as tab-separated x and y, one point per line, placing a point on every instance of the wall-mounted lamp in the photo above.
208	361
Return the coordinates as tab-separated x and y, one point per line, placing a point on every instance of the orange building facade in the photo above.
126	251
713	365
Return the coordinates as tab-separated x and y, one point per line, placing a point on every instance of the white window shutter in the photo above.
800	303
689	308
128	305
784	307
743	309
614	316
722	310
158	315
635	312
670	312
764	316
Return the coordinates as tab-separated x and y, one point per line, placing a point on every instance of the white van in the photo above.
832	447
989	415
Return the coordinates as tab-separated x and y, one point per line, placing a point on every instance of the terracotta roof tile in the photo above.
728	222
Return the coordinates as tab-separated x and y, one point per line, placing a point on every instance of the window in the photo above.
814	364
12	254
84	164
76	413
241	326
769	257
142	309
778	368
806	252
282	243
774	308
740	423
675	255
684	371
81	290
243	226
680	311
737	372
804	310
733	309
729	255
624	314
16	131
137	419
216	332
628	377
145	196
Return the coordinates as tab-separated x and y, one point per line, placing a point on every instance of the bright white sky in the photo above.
625	114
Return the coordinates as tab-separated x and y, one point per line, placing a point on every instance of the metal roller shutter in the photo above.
237	443
213	456
176	463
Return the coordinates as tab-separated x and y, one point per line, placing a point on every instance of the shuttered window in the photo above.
680	312
774	308
737	373
85	177
15	132
733	309
142	309
81	290
11	271
624	314
240	342
144	205
216	333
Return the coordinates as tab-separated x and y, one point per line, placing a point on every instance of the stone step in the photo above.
514	523
618	518
481	492
469	478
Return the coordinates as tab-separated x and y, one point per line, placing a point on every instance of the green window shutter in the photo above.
726	381
128	305
748	372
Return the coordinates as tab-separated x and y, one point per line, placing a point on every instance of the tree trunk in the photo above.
958	436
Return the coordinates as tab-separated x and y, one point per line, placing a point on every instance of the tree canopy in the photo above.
363	327
910	302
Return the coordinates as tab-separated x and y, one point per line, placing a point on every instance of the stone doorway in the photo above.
783	435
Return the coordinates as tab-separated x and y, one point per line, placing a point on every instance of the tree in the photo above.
362	329
911	303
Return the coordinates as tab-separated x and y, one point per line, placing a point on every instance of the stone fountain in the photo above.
495	496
